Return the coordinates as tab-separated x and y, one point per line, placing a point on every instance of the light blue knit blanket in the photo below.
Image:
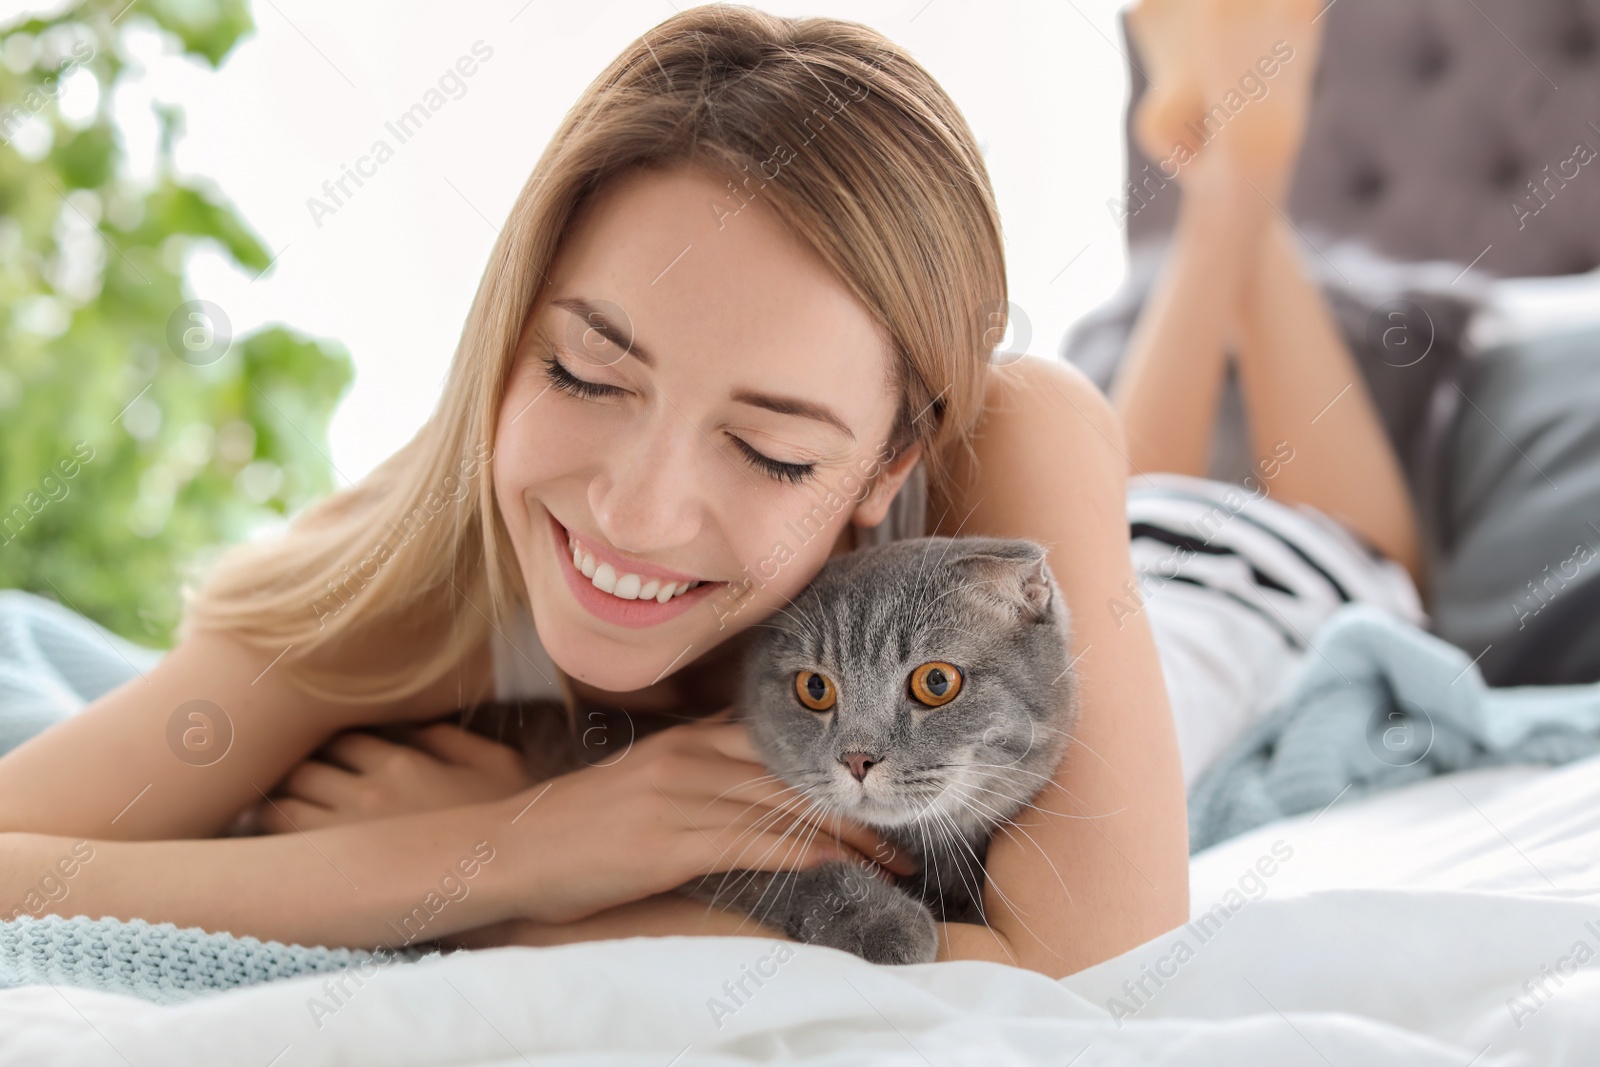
1378	703
53	662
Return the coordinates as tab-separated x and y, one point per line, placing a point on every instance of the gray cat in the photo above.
921	688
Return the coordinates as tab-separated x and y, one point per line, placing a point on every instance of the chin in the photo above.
597	659
873	810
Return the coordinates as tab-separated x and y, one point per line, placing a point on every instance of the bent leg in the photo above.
1171	378
1302	386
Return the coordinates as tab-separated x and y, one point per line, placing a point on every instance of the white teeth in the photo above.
626	586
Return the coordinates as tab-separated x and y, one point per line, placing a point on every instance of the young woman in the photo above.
740	305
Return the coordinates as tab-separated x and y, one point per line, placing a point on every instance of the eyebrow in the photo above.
783	405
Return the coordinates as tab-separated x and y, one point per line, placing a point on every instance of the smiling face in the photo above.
696	397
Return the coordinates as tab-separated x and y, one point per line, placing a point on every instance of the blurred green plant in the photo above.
194	439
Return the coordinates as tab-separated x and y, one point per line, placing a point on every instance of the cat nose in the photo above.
859	763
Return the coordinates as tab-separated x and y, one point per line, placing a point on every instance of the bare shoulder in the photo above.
1045	428
1050	395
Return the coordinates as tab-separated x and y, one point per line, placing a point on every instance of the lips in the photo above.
623	579
606	607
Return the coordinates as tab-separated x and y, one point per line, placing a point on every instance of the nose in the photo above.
648	499
859	763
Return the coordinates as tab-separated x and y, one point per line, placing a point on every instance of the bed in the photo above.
1452	921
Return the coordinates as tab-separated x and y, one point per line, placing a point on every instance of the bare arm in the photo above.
1102	863
178	752
148	801
387	882
663	915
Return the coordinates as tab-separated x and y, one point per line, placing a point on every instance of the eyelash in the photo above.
567	382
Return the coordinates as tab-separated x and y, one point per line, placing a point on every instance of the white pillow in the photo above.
1520	309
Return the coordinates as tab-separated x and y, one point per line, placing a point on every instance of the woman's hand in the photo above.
358	775
681	803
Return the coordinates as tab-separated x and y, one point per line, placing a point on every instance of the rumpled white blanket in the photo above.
1454	922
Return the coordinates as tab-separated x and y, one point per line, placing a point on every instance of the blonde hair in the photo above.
838	130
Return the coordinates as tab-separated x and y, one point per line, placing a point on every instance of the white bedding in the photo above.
1393	930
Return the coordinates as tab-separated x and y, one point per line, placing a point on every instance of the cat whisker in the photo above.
735	881
993	883
748	781
931	856
791	881
1025	804
972	880
1009	825
811	628
1049	783
1019	913
800	842
764	778
777	812
784	810
1083	744
989	766
767	900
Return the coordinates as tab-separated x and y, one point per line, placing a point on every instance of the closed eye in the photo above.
563	379
567	382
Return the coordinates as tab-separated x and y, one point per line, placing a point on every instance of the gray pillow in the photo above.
1517	571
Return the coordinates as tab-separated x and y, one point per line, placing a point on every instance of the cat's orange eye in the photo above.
936	683
814	690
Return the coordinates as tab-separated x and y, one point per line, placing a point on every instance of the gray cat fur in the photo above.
946	775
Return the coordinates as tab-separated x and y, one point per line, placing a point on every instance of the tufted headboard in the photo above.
1445	129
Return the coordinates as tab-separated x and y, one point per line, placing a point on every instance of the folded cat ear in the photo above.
1013	573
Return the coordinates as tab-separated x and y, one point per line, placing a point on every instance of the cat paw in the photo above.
865	916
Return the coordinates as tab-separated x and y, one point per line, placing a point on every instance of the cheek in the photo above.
778	563
539	437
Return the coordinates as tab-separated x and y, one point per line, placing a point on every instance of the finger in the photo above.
863	841
452	744
859	841
776	851
792	821
360	751
701	783
282	814
763	793
318	783
732	739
